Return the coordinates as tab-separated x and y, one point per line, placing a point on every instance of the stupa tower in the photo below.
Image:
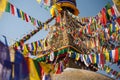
62	33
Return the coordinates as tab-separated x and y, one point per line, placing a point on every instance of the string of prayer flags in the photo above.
30	47
111	71
95	58
10	8
34	46
99	59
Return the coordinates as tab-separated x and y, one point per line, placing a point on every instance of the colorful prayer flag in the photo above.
18	13
39	1
116	55
33	71
7	7
12	9
26	17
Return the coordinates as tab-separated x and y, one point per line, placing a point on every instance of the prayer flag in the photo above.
102	59
118	20
90	57
39	43
116	10
119	53
52	56
116	55
37	66
12	9
107	55
104	21
58	70
47	2
84	59
108	6
34	22
7	7
39	23
77	56
112	11
32	46
97	58
94	56
33	72
38	1
18	13
46	67
22	14
113	55
109	12
108	69
58	19
26	17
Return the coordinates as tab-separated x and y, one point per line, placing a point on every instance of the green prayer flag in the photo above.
107	15
37	66
108	6
32	20
23	15
7	7
119	52
46	7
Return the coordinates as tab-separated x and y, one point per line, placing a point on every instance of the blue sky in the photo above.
15	28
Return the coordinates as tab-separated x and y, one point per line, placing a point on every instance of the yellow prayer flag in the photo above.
94	58
52	10
2	6
38	1
25	50
109	11
108	69
45	26
46	67
117	27
33	72
77	56
21	14
107	55
34	45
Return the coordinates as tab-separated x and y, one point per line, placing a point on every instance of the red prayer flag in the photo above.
112	11
80	32
89	31
104	20
12	9
58	19
35	22
102	59
27	62
26	17
47	2
58	70
116	55
118	20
